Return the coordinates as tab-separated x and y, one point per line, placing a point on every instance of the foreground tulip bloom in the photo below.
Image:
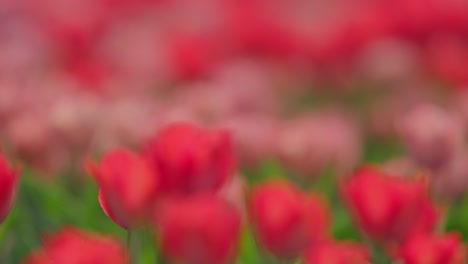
199	230
8	187
336	252
389	208
192	159
73	246
286	220
434	249
127	186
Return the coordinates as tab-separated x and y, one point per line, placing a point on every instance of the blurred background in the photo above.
310	89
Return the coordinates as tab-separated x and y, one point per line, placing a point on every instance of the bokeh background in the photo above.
310	90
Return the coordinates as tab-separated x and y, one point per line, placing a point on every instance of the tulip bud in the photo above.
127	186
8	187
336	252
199	230
192	159
389	208
434	249
74	246
286	220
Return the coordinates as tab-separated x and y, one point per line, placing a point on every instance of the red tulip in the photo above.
8	187
286	220
434	249
127	186
193	56
447	58
73	246
199	230
192	159
389	208
336	252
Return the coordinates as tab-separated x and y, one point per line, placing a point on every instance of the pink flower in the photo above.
432	135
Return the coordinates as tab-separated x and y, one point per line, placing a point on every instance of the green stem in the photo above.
129	245
132	246
378	255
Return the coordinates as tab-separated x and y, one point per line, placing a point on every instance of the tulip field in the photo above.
233	132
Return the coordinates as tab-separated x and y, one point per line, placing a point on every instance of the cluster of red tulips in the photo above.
176	186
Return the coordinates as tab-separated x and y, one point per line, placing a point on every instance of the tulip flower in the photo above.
74	246
286	220
127	186
203	229
192	56
432	135
336	252
389	208
434	249
451	181
8	187
313	141
446	58
192	159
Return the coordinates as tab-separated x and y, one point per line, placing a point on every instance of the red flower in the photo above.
286	220
8	187
389	208
193	56
434	249
447	58
73	246
336	252
127	186
192	159
200	230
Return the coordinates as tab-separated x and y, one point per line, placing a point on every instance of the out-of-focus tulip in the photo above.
9	178
234	192
311	142
193	56
192	159
250	86
74	117
41	148
433	136
286	220
383	116
127	186
199	230
74	246
337	252
451	181
447	58
401	166
254	137
389	209
434	249
390	60
125	121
